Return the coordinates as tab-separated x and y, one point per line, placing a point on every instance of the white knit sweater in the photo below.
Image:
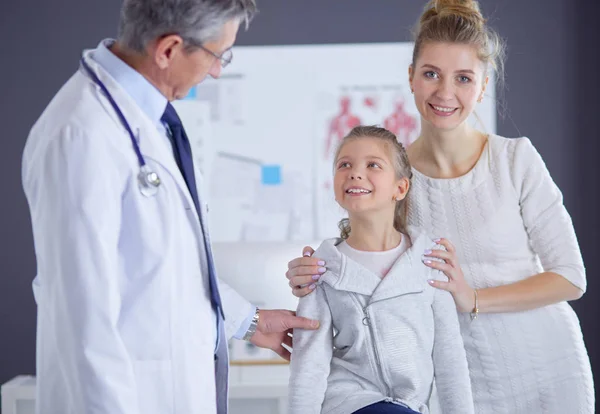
507	220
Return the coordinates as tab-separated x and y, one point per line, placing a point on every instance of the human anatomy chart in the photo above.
266	132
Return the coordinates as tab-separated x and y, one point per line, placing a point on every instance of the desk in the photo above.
249	391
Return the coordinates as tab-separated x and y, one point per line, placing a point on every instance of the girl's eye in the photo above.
373	165
343	165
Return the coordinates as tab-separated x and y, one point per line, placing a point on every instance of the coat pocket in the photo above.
155	386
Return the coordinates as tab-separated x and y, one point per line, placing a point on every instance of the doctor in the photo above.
131	318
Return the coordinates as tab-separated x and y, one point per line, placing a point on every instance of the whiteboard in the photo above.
266	131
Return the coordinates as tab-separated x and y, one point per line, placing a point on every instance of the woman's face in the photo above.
447	79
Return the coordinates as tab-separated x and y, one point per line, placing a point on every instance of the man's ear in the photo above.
165	49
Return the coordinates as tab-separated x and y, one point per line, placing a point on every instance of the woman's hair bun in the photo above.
465	9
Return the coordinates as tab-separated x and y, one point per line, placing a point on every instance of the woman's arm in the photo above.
551	236
534	292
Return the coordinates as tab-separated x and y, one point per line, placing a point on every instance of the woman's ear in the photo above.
485	83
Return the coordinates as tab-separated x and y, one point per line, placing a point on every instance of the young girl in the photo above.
495	199
384	330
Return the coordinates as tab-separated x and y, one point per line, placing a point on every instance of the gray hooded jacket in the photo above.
379	339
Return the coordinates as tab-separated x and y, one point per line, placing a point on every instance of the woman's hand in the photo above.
464	295
303	273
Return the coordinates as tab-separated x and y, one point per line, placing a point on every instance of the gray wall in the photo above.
552	96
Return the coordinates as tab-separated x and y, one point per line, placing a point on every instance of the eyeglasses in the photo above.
226	57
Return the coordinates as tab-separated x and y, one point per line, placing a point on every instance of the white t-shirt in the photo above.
377	262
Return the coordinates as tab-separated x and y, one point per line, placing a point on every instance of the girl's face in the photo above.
447	79
365	180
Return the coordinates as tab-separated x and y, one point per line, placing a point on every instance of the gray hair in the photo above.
196	21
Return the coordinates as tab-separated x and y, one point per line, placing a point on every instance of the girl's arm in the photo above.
449	358
311	356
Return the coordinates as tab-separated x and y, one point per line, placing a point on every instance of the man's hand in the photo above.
275	328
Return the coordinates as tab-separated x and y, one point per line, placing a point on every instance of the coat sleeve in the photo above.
238	311
74	191
449	357
548	224
311	356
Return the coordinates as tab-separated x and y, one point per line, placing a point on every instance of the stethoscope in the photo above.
148	180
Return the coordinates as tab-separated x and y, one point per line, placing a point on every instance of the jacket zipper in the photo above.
367	322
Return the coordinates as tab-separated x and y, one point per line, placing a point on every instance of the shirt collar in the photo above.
151	101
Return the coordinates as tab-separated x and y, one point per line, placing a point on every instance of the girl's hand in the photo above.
464	295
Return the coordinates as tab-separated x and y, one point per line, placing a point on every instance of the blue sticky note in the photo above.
271	174
192	93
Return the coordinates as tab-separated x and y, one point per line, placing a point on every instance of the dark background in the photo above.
552	96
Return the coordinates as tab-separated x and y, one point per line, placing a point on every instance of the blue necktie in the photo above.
183	156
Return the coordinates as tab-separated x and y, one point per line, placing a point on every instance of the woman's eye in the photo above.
464	79
432	75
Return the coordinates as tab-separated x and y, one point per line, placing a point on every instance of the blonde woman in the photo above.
495	200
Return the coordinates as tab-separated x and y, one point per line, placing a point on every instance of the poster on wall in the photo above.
271	125
342	107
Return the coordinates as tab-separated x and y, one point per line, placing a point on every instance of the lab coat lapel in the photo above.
153	145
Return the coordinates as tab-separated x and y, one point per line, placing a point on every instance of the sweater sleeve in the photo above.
311	356
549	225
449	357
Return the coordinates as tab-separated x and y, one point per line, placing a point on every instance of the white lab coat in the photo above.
125	322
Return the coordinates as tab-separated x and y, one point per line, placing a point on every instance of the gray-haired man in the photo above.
131	318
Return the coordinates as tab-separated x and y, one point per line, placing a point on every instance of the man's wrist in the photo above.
253	326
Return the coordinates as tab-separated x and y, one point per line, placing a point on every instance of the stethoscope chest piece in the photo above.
149	181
